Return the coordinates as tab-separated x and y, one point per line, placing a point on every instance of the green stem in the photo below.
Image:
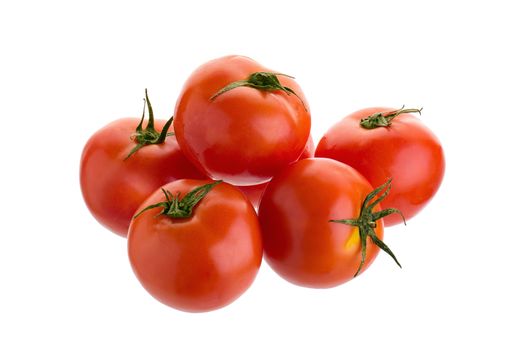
149	136
366	222
177	208
265	81
384	119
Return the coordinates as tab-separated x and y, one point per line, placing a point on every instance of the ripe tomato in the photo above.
114	183
320	223
240	123
390	144
201	250
255	192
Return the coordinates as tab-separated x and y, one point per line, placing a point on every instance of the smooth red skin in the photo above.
406	151
245	135
113	187
199	263
254	193
300	243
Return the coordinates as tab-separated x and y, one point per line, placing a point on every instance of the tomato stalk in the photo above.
149	136
366	222
177	208
266	81
384	119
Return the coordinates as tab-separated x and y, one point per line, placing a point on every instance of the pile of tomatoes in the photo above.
234	174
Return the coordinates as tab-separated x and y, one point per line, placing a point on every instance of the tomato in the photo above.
255	192
394	145
114	183
239	122
321	224
200	250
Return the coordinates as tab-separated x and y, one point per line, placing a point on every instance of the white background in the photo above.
68	69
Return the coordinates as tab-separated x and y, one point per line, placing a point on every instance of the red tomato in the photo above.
202	259
114	186
400	148
239	123
255	192
302	242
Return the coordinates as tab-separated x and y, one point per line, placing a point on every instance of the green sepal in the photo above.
149	136
366	222
177	208
384	119
266	81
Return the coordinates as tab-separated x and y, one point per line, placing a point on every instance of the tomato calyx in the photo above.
384	119
177	208
149	136
266	81
366	222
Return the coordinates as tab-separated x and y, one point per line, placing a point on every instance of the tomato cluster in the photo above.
234	175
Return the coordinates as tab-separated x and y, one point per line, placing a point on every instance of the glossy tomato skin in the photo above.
300	242
254	193
199	263
113	187
245	135
406	151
